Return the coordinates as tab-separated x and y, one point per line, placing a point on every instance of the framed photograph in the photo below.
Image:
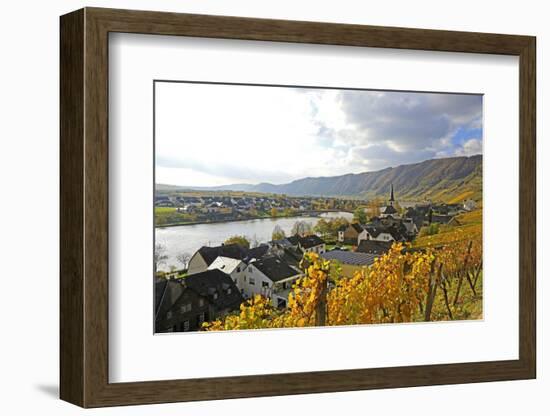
300	207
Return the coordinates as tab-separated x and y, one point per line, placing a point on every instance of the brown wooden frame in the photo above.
84	207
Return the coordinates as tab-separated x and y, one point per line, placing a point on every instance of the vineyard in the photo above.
439	279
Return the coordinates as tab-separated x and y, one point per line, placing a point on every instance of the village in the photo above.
173	208
218	279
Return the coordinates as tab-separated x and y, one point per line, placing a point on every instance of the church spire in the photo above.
392	199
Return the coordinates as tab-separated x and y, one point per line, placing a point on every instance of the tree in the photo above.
328	228
274	212
278	233
323	227
359	215
431	229
254	242
159	256
374	207
241	240
184	258
301	228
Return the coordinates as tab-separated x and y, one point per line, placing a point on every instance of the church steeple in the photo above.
392	199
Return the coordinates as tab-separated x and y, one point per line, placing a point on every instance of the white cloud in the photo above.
469	148
209	135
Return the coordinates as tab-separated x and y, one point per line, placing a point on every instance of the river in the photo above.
189	238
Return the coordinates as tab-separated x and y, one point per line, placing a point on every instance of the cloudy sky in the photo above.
210	135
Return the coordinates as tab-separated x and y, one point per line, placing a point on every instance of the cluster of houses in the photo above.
219	203
375	238
219	207
220	278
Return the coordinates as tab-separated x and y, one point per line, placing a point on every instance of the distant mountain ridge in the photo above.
447	179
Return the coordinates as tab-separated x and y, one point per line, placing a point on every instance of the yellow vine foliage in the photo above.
396	288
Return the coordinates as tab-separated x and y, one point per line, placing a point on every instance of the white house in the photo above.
270	277
308	244
312	244
469	205
410	226
341	235
380	233
205	256
235	268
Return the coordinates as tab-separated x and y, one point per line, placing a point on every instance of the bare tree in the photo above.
184	259
160	256
301	228
254	242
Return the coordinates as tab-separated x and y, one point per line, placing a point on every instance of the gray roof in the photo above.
441	219
397	232
204	284
373	247
310	241
350	257
214	281
275	269
357	227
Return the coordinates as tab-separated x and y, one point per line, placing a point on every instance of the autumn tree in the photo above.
373	207
431	229
278	233
359	215
329	228
240	240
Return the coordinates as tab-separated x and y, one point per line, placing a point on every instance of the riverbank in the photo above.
188	239
304	215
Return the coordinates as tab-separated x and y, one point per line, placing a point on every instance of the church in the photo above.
389	210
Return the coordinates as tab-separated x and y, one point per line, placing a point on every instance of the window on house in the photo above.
186	307
201	302
200	318
238	269
186	326
215	295
229	291
265	284
252	281
250	269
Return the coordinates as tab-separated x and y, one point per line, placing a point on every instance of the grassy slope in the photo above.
169	215
470	227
